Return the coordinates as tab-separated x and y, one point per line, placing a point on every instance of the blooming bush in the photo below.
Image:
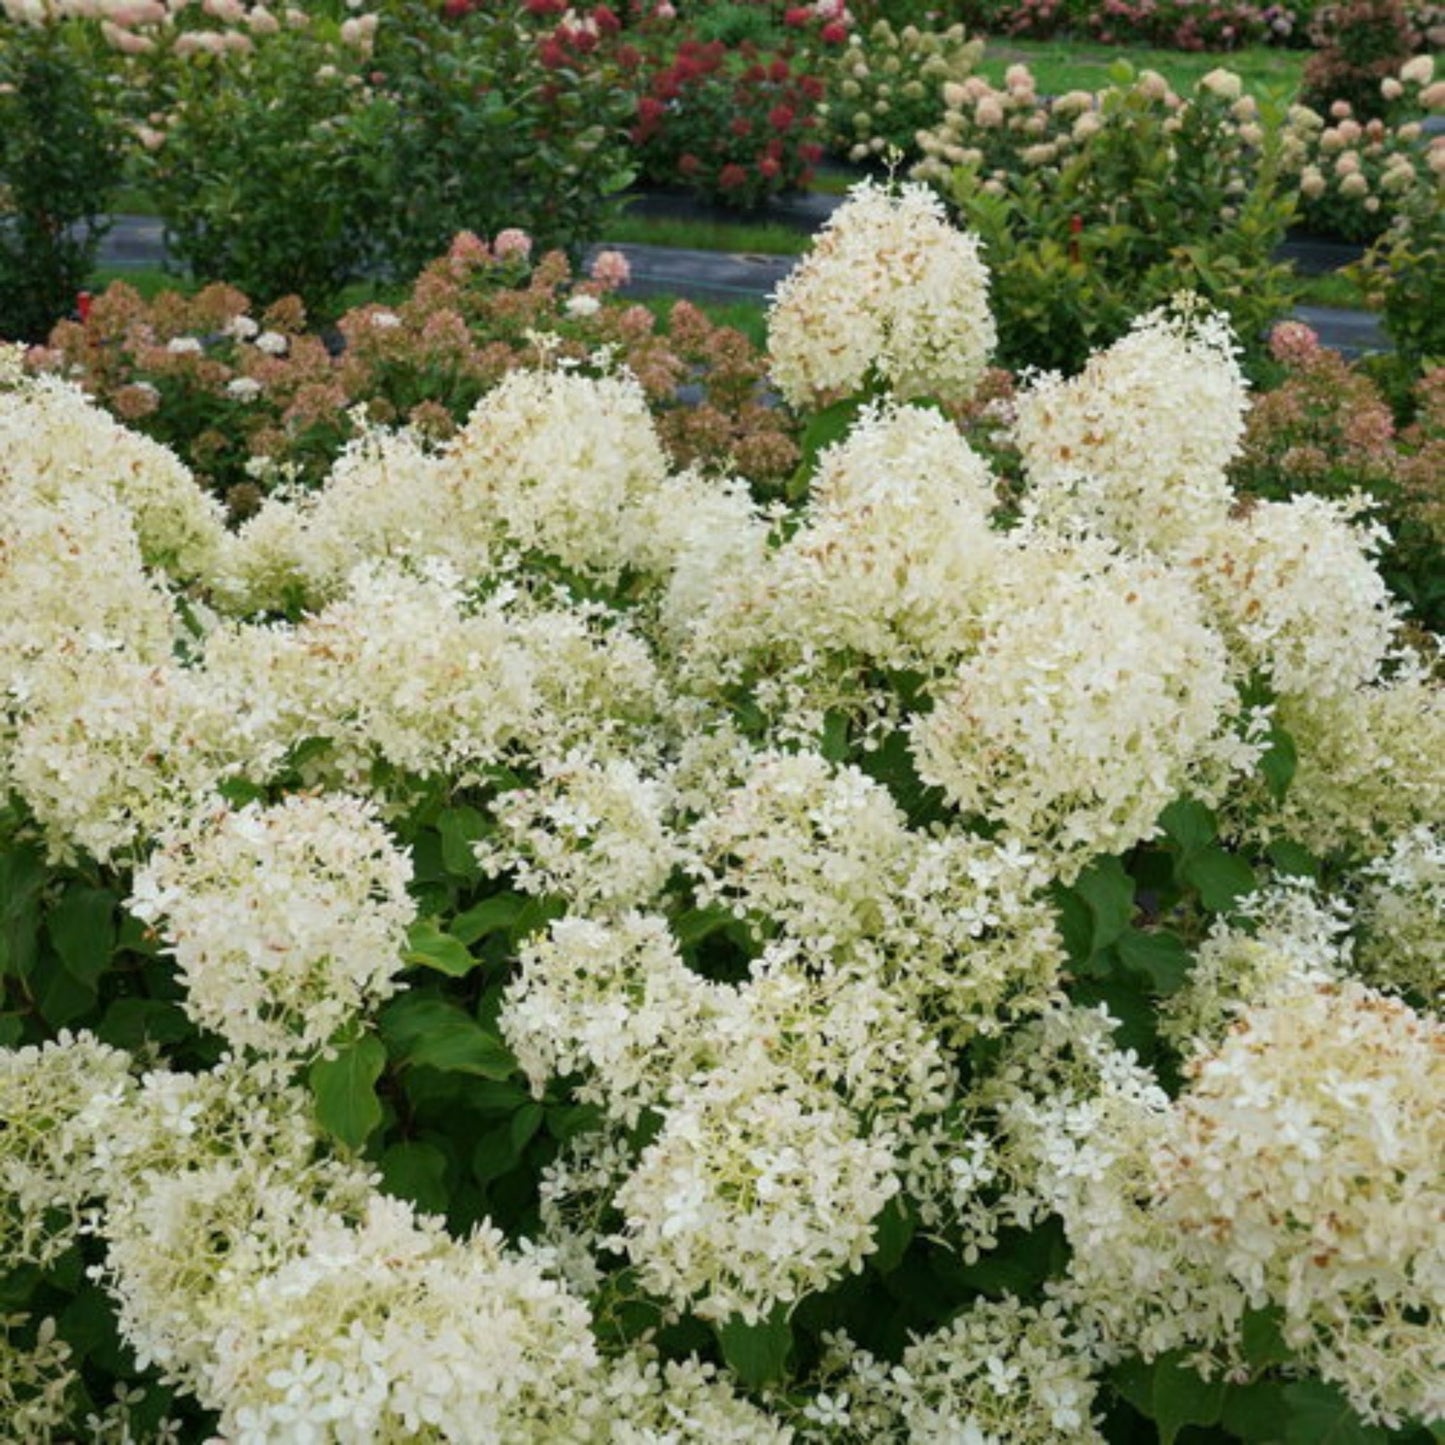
293	155
1358	44
1169	24
60	145
886	85
1089	205
527	943
734	126
1356	176
256	401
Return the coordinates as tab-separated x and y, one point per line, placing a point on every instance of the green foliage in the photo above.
1149	205
1404	274
272	167
59	154
308	162
480	130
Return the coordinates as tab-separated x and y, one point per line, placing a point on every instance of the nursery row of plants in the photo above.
293	152
908	913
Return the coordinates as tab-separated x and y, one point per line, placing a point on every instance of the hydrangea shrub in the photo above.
530	943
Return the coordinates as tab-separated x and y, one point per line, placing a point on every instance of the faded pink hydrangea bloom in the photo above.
512	245
611	269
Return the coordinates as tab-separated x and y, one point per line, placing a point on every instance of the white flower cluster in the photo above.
889	293
758	1189
1294	587
1135	447
1001	1373
54	1101
1091	658
561	464
595	833
285	923
1279	938
55	441
1308	1171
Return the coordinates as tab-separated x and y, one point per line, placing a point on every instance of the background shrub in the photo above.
1358	44
59	150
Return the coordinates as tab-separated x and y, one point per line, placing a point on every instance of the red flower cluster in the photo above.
736	125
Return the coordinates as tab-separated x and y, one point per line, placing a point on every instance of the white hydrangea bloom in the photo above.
802	843
71	569
895	555
1134	448
110	750
1097	697
1308	1171
400	668
57	1100
563	464
595	833
1295	588
614	1001
758	1189
1371	766
386	1330
388	499
1001	1373
1285	935
1401	914
890	292
38	1380
285	922
652	1402
55	440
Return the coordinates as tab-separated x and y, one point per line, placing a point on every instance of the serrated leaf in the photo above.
489	916
435	1034
131	1023
1318	1414
81	928
834	743
22	876
1221	878
416	1170
1160	956
756	1353
699	923
1181	1396
344	1089
525	1123
1289	858
495	1154
460	828
1076	925
428	947
534	915
1134	1381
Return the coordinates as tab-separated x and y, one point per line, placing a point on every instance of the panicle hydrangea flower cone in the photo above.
286	923
1094	658
54	440
890	292
1308	1170
1134	448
